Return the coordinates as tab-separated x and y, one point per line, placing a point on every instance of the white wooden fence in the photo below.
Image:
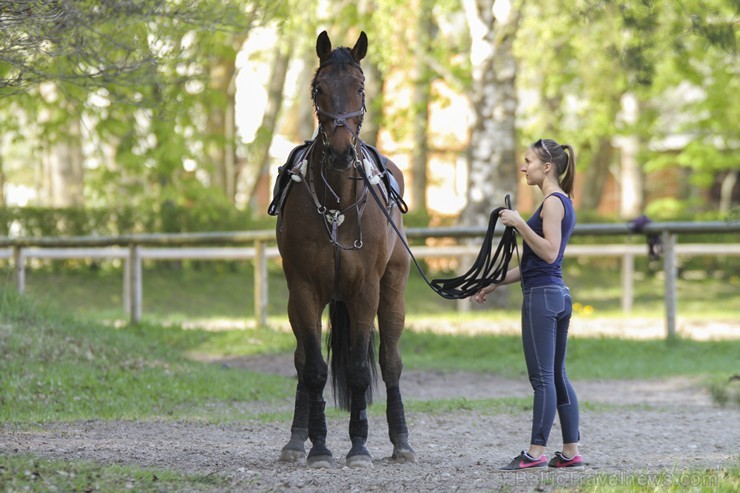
134	249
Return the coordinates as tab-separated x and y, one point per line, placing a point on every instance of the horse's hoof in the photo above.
290	455
320	462
360	461
404	455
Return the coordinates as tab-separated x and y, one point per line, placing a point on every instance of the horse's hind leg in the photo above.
391	319
360	373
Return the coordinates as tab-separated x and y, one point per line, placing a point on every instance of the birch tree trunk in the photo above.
492	169
631	180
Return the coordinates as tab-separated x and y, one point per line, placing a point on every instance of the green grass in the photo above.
29	473
702	480
58	368
588	358
178	292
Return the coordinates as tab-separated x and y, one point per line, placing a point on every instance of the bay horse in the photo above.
339	249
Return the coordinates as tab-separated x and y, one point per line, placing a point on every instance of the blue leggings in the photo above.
546	312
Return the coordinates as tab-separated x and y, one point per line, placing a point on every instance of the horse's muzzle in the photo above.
341	161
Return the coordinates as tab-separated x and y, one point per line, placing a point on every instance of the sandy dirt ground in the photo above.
645	428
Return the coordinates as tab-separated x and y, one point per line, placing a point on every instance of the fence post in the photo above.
628	275
19	269
135	285
670	271
260	283
127	286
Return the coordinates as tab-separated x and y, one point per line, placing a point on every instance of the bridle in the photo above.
334	218
339	120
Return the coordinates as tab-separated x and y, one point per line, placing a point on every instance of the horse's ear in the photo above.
323	45
360	49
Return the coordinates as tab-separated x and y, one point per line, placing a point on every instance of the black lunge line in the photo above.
489	267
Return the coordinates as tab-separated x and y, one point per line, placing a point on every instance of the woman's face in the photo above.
533	168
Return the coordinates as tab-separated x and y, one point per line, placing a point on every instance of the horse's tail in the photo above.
339	349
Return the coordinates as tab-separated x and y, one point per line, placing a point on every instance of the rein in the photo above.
489	267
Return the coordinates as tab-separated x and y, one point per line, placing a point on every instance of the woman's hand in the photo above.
510	217
480	296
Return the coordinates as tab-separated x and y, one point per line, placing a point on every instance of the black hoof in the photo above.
358	455
402	451
404	455
294	450
292	455
320	457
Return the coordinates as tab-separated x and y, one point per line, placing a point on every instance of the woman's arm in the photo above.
547	247
512	276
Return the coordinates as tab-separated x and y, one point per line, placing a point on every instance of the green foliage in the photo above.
205	211
673	56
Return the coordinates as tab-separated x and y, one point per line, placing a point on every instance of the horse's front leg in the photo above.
309	418
295	449
391	319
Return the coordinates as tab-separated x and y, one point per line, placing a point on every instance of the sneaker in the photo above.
525	462
560	461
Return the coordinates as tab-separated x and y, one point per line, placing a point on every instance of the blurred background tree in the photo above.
140	104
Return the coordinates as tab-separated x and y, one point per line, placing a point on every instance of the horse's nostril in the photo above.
342	160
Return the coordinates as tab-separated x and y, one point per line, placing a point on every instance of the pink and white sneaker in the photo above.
525	462
574	463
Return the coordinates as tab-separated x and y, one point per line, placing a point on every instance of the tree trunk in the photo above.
492	170
63	176
631	180
374	91
221	122
725	191
420	107
300	122
596	175
2	178
259	161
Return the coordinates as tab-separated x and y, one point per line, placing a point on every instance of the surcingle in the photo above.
295	168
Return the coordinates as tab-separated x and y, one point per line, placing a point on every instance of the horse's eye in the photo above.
361	91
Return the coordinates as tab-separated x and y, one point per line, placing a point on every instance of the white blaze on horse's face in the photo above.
339	100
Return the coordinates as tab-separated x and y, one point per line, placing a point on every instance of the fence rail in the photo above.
134	249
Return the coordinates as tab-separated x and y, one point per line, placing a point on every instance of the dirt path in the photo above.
661	426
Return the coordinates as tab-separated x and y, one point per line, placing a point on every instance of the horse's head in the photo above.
338	91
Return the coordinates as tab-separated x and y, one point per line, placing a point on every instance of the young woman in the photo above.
547	305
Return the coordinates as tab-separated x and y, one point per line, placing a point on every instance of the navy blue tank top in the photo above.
535	271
